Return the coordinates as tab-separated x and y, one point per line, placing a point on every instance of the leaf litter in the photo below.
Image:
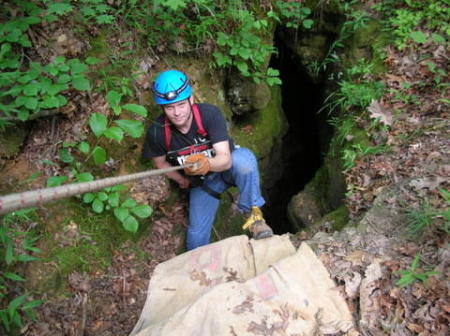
109	303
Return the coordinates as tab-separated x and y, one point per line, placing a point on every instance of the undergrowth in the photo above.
17	247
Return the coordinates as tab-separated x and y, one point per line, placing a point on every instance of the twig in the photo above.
217	233
124	287
83	315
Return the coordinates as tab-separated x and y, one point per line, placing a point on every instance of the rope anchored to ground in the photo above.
27	199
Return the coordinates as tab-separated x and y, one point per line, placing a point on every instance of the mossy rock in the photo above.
309	205
366	43
262	128
335	220
245	96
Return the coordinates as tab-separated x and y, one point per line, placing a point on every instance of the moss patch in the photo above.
11	140
263	127
228	221
338	218
76	239
366	43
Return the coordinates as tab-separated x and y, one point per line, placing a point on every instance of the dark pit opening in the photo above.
302	147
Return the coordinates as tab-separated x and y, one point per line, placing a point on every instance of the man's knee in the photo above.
243	161
197	238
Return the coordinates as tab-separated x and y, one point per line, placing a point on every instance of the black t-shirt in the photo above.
213	123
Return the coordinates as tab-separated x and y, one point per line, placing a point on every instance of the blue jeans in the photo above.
203	207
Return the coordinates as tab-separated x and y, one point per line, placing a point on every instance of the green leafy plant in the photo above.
231	31
127	211
30	89
404	22
293	14
445	214
13	35
420	219
354	20
343	126
103	129
103	200
439	74
27	93
405	19
15	307
244	49
353	94
55	9
357	89
404	97
412	274
350	155
109	199
424	216
98	11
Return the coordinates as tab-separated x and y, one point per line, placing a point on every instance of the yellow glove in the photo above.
201	165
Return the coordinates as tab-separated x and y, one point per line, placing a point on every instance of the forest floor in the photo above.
415	111
109	302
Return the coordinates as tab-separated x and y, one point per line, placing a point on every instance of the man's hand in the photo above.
201	165
184	183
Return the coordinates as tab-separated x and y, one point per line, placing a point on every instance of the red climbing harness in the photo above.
198	120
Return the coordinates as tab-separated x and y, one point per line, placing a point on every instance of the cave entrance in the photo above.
306	141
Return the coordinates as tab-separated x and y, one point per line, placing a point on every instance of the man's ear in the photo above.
191	99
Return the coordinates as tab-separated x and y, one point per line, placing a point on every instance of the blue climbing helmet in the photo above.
171	86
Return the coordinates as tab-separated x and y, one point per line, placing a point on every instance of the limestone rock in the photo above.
304	210
245	96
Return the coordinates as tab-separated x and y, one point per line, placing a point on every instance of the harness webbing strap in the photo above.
198	120
167	133
211	192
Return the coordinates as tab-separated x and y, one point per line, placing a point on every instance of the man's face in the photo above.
179	113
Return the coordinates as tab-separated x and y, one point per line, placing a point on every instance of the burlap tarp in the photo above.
239	287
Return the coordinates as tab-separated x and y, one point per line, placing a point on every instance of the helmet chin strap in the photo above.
190	109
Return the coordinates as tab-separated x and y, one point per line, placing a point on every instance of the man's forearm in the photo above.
175	176
222	160
220	163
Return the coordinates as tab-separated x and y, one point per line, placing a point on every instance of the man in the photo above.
196	135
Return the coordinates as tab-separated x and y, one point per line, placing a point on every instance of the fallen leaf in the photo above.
395	78
79	281
409	249
379	111
427	182
356	257
247	129
352	283
415	327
